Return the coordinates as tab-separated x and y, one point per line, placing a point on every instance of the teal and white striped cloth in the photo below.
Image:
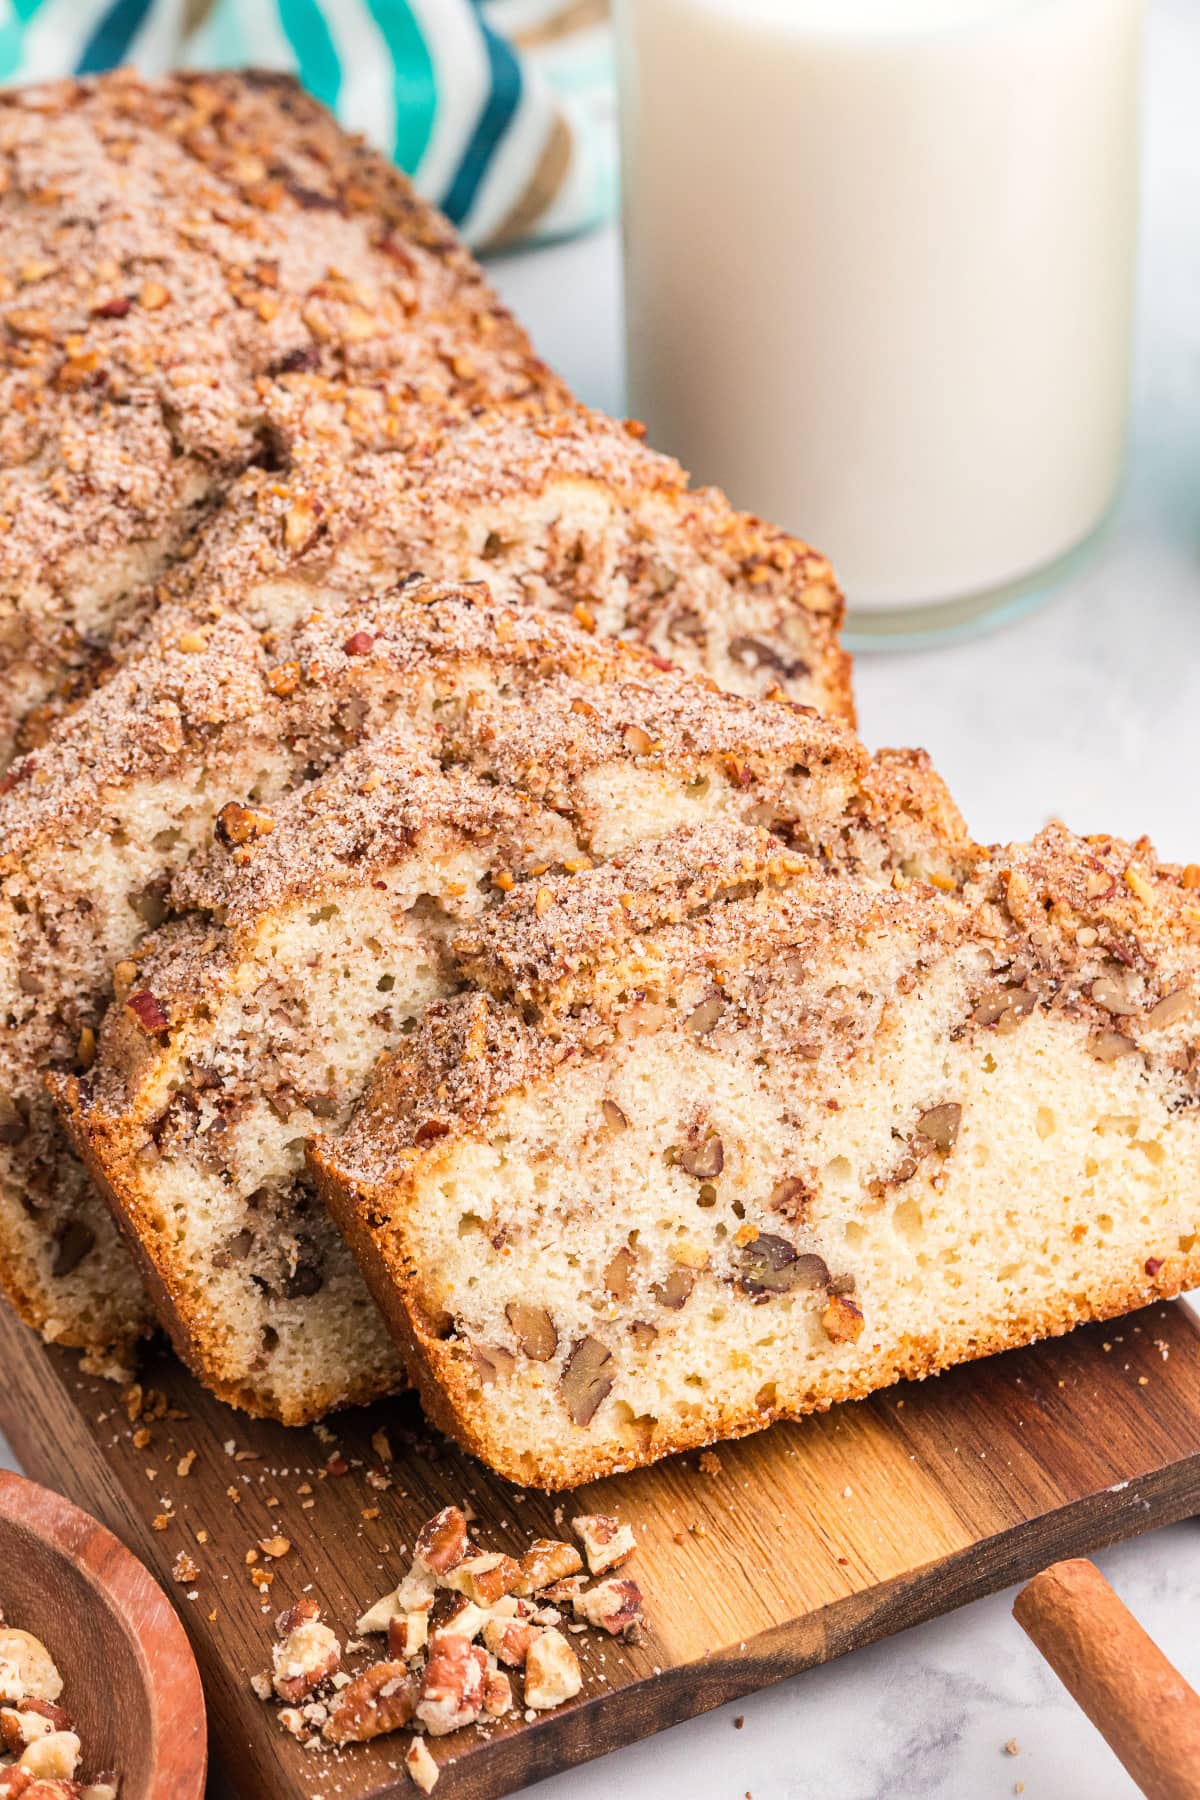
501	110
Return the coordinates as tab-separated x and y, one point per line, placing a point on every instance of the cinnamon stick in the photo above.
1134	1697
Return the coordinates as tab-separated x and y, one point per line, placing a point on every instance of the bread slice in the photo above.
569	513
176	253
229	1041
699	1159
313	946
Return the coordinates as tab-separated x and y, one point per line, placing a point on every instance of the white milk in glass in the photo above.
879	276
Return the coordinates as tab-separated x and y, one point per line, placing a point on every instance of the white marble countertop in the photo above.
1089	710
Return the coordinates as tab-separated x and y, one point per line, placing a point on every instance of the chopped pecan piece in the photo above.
456	1616
492	1362
1110	1046
442	1540
308	1653
703	1017
606	1541
534	1330
771	1265
509	1640
618	1275
586	1379
54	1757
1171	1008
790	1197
27	1669
612	1606
299	1613
20	1725
147	1011
380	1700
407	1634
420	1765
451	1693
552	1672
485	1579
614	1118
547	1560
497	1694
704	1158
940	1124
377	1617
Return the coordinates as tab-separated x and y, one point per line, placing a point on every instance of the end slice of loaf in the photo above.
679	1172
179	251
311	941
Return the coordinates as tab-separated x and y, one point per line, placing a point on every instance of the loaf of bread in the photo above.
669	1173
247	375
208	287
312	938
173	252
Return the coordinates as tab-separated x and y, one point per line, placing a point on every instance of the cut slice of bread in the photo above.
726	1140
229	1042
178	252
314	936
569	513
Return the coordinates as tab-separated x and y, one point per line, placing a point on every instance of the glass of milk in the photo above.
879	278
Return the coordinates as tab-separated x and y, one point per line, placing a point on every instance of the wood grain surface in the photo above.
130	1680
808	1541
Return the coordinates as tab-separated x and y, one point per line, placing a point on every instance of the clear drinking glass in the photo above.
879	278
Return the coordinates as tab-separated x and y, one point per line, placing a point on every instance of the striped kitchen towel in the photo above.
501	110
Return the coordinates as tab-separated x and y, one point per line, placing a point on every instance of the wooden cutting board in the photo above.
808	1541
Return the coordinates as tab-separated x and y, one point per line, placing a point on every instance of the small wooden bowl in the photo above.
130	1681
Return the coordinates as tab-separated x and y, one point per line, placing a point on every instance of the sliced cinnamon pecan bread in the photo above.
204	277
173	253
698	1160
570	513
229	1041
316	939
207	712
